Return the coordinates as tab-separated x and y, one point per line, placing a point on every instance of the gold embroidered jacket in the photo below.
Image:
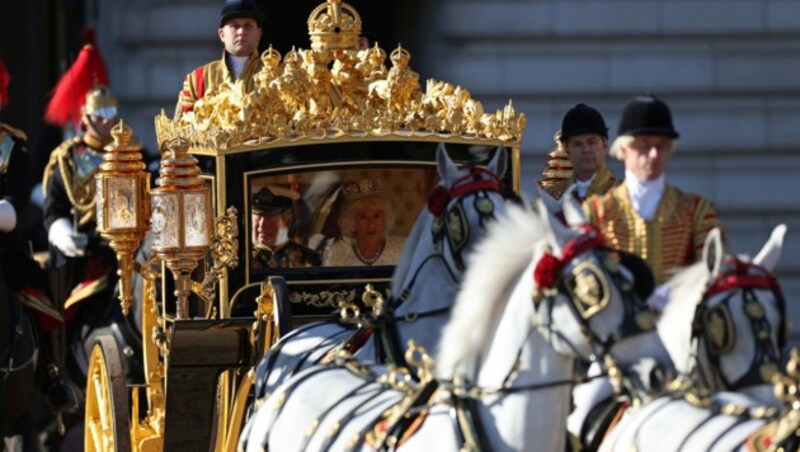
198	82
673	238
603	181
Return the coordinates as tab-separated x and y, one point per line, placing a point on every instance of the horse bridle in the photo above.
714	326
449	225
563	274
571	277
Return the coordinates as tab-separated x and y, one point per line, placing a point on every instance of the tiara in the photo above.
363	188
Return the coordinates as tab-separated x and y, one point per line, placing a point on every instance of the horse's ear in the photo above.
712	251
447	169
548	201
573	213
499	161
771	252
560	232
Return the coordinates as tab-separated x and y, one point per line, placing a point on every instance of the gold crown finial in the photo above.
122	134
271	57
558	167
334	25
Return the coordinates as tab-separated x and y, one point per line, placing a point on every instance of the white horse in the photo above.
424	283
505	364
732	343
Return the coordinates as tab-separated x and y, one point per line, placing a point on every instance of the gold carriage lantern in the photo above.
181	218
122	203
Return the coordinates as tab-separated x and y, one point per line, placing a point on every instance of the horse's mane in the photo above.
409	251
687	289
492	273
675	324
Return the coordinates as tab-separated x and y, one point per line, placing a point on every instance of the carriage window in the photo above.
334	218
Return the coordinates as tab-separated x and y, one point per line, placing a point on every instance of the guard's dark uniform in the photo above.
70	193
24	276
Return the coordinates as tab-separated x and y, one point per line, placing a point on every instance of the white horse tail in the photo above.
493	270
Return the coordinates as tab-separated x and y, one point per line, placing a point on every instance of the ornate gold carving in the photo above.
301	98
225	252
124	206
334	25
557	172
324	298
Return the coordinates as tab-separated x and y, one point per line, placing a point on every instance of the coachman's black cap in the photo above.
267	203
582	119
240	8
647	115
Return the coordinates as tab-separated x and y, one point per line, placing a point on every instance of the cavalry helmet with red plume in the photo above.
70	94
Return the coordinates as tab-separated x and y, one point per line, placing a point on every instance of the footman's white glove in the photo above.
62	237
8	216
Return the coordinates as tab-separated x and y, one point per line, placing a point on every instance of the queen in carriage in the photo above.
366	221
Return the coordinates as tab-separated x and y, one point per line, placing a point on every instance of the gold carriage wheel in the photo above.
107	427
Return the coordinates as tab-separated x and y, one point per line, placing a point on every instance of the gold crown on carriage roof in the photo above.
334	25
293	102
364	188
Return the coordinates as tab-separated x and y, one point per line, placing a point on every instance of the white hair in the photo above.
626	141
347	220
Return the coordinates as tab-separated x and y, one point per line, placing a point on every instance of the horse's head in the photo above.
458	210
725	322
588	297
532	269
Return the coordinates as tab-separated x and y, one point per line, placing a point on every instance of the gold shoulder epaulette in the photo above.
16	133
59	153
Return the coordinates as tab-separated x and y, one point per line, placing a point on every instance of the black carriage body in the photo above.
201	350
314	291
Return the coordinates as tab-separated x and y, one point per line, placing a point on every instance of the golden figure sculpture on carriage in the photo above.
256	192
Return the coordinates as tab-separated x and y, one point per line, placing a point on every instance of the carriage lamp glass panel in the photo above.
163	222
195	219
101	203
122	203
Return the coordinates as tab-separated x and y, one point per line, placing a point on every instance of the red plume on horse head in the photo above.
88	70
5	77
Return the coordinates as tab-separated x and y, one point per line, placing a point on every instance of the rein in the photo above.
479	392
17	330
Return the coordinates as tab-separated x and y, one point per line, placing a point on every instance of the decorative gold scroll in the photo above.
333	90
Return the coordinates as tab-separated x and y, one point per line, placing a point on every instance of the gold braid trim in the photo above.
13	132
62	158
